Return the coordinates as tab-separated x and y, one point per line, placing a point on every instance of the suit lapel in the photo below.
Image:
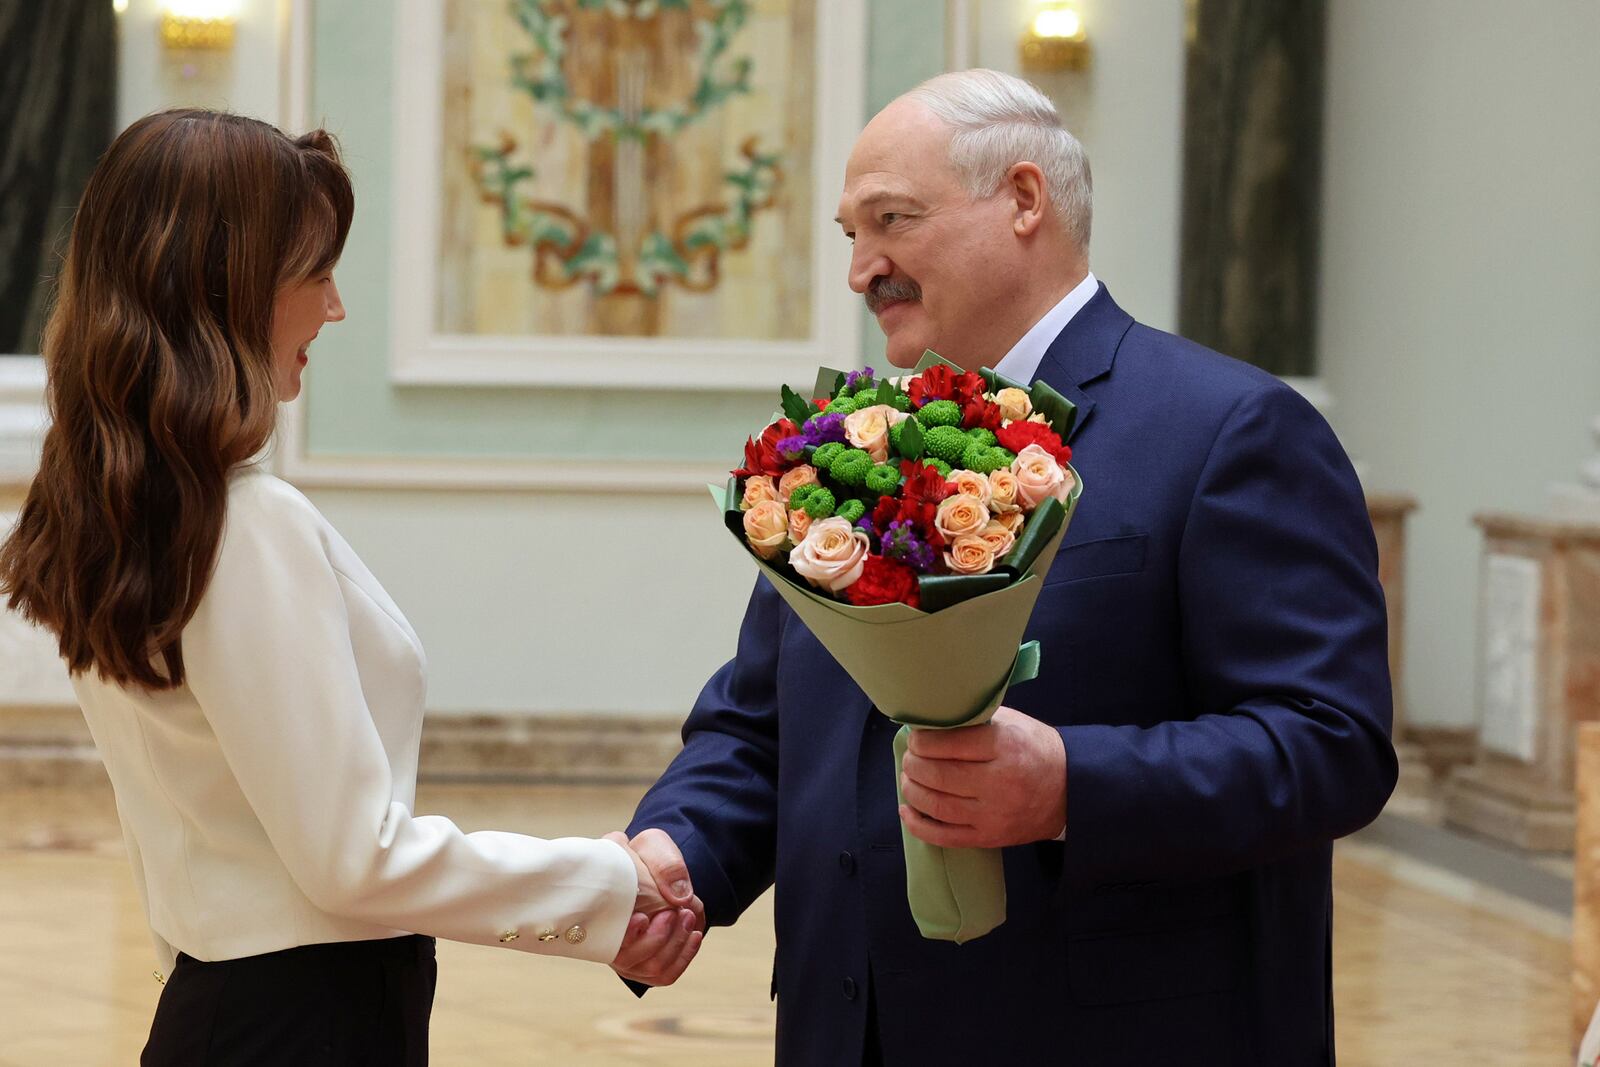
1085	350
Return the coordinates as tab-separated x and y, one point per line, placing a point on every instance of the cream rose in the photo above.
1003	492
1014	404
799	526
970	554
1011	520
805	474
758	487
766	527
999	537
868	429
832	556
1039	476
960	514
971	483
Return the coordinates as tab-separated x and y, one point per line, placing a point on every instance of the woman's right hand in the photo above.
668	923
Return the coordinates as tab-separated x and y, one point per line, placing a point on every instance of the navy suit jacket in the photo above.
1215	657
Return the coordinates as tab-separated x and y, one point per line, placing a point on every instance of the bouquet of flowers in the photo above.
908	520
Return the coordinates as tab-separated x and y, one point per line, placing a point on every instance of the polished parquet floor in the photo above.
1430	968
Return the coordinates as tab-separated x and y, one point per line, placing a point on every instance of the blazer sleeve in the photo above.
718	800
269	658
1284	645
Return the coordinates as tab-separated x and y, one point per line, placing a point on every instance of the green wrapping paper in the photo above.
975	642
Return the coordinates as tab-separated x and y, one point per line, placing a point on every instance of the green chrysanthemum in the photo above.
840	405
850	467
941	413
985	458
900	402
819	504
823	457
984	437
851	511
883	479
798	495
946	442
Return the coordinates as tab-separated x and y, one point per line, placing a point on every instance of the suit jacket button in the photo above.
508	937
576	934
847	863
849	989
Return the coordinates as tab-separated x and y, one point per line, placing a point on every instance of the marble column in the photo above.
1538	670
1252	171
58	77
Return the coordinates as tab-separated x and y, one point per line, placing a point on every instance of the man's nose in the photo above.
867	264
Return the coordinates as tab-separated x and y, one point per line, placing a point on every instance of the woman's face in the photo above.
299	312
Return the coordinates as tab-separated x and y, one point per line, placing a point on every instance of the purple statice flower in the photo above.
822	429
901	542
855	377
792	447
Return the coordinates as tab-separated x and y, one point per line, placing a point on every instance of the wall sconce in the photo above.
199	24
1055	40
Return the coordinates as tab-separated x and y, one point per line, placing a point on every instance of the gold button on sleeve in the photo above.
576	934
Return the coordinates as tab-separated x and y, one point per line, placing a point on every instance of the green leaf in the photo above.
911	440
838	384
997	382
886	391
1040	527
1061	412
796	407
938	591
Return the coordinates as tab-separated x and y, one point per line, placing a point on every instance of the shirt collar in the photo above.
1021	364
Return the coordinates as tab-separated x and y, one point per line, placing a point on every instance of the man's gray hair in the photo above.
1000	120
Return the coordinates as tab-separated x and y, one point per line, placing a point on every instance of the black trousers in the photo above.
336	1005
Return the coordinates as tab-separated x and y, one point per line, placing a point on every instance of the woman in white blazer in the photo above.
256	696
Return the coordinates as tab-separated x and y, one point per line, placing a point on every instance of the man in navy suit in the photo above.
1212	710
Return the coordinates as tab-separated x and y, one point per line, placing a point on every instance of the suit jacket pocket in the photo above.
1124	968
1099	559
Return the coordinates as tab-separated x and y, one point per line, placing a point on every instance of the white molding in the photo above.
421	356
23	418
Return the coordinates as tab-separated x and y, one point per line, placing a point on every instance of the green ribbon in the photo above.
957	894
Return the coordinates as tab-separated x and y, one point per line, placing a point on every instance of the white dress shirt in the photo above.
1022	362
266	803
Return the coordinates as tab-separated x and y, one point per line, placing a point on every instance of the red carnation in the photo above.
1020	435
762	456
884	581
935	383
980	413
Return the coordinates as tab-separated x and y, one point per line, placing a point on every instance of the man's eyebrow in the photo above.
878	197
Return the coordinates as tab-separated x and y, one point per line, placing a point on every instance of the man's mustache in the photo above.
885	291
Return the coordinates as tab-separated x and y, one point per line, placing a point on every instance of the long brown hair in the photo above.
160	376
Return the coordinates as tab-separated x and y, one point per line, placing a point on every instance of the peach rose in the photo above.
832	556
1012	520
799	525
972	484
1039	476
766	527
868	429
960	514
805	474
1003	492
1014	404
970	554
758	487
999	537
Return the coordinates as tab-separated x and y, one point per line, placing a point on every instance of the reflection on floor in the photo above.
1430	967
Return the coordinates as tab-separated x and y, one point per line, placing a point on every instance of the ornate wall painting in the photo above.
644	182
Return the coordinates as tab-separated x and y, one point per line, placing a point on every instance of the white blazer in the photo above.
267	802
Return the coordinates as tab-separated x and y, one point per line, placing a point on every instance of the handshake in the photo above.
668	921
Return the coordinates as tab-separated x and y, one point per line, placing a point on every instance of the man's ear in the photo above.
1030	197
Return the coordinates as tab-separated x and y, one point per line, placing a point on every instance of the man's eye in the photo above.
889	216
